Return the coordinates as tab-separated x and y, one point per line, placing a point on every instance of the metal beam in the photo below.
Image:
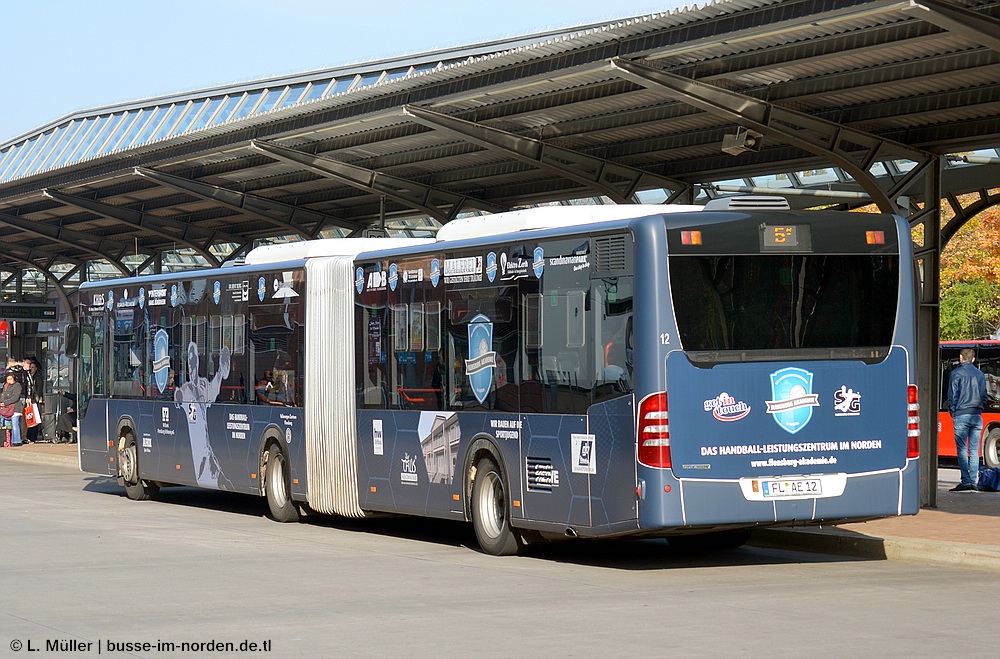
56	286
616	181
811	134
73	239
963	214
146	222
442	205
975	27
292	219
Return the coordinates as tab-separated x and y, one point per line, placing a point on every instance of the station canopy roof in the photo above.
797	95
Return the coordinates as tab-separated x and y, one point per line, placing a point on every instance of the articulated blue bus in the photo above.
651	371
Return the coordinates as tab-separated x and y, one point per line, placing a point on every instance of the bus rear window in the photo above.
784	302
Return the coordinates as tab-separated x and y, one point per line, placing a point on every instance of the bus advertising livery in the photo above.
683	372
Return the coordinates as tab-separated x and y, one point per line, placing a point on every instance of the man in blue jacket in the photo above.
966	399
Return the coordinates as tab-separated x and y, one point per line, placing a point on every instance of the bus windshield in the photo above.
784	302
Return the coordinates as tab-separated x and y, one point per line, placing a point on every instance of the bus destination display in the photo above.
782	237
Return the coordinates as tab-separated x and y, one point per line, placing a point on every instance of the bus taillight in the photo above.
912	423
654	432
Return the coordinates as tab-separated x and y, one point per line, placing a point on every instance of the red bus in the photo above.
988	360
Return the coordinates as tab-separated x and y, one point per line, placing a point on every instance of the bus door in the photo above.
88	346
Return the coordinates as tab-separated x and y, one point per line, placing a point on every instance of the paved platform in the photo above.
963	530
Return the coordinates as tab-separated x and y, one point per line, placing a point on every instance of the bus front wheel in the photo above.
490	512
136	488
991	448
277	486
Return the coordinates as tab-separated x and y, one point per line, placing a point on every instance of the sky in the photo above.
58	57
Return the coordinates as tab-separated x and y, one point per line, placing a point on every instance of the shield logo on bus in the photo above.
491	266
161	359
482	360
793	399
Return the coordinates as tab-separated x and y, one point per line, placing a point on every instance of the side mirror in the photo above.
72	340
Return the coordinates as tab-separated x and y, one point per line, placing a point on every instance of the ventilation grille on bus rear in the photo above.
541	476
748	202
609	253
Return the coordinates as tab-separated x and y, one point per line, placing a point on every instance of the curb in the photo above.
893	548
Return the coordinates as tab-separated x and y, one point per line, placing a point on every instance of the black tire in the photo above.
491	512
708	542
136	488
991	448
277	486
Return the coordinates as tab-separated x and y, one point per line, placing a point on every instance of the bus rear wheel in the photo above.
277	486
991	448
490	512
136	488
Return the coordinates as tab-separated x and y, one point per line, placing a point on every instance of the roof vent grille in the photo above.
748	202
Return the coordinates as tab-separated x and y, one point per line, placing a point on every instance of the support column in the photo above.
928	329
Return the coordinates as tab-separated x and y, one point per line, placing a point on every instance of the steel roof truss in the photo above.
439	204
616	181
99	247
146	222
812	134
56	286
970	25
274	212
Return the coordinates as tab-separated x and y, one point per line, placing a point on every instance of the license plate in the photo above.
791	487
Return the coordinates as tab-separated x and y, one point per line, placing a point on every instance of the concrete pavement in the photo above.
964	529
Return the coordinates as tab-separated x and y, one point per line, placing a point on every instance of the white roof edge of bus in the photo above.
311	249
550	217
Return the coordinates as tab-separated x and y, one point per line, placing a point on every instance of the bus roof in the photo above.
308	249
551	217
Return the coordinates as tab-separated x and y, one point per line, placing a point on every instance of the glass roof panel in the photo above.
111	135
96	137
56	145
294	94
23	151
147	130
733	181
66	143
396	74
317	89
31	162
224	110
269	101
249	103
168	122
201	119
772	181
815	176
184	115
5	156
45	152
342	85
655	196
369	79
132	124
878	169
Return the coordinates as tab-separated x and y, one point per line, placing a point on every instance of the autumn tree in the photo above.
970	278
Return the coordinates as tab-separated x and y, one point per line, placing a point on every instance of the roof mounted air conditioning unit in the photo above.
748	202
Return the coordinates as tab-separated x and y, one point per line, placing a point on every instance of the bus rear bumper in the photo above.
694	503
